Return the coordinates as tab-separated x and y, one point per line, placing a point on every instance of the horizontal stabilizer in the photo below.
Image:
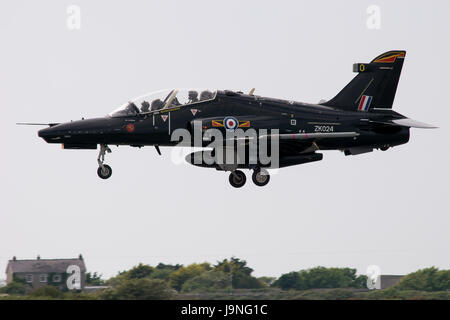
405	122
413	123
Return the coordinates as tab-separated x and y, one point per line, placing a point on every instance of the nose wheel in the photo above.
104	171
260	177
237	178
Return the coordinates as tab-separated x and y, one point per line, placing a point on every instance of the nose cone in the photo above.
89	131
48	134
44	132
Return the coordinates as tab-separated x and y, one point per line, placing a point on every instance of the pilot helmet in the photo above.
145	106
193	94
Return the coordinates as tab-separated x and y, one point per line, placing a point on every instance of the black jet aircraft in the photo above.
357	120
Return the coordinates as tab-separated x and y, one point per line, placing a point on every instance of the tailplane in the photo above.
374	86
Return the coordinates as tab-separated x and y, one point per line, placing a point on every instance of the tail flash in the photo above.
374	86
364	103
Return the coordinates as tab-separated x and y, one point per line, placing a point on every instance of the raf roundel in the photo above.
230	123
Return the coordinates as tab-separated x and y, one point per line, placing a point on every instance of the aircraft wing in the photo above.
312	136
298	136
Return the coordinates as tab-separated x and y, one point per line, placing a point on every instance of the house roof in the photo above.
388	280
44	265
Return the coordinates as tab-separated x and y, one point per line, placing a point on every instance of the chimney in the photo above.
80	257
39	257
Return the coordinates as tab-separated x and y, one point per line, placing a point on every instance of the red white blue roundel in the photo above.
230	123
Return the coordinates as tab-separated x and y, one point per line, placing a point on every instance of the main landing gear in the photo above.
260	177
104	171
237	178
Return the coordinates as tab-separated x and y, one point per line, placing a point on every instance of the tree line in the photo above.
165	281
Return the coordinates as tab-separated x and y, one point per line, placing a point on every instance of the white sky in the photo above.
385	208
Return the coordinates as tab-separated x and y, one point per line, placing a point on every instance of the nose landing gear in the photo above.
104	171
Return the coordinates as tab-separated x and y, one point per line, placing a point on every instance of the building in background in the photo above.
62	273
387	281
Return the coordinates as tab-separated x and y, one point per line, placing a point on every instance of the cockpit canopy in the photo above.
163	99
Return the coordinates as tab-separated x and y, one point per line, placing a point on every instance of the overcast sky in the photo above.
389	209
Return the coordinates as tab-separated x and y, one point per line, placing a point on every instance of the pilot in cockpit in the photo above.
145	106
193	96
157	104
206	95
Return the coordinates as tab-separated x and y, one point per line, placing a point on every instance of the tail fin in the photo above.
374	86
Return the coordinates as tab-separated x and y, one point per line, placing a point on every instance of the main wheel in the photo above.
237	178
260	177
104	172
385	147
